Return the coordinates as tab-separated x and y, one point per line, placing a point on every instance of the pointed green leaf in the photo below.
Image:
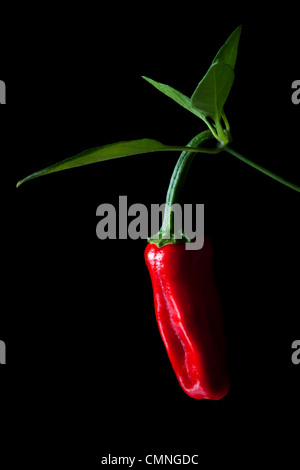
228	52
111	151
213	90
175	95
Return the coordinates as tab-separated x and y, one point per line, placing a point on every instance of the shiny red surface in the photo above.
189	317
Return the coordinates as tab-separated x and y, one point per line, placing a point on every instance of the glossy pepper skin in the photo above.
189	317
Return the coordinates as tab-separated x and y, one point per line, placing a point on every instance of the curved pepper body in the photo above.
189	317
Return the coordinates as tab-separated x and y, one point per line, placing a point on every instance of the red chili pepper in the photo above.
186	301
189	318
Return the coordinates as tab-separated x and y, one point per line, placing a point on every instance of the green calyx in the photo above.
163	237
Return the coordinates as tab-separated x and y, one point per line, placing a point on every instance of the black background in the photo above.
87	373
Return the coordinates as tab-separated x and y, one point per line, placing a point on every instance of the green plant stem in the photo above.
211	128
262	169
225	121
222	137
166	233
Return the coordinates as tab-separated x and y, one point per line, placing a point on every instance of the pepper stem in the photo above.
168	233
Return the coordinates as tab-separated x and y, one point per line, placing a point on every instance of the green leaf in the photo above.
212	92
228	52
175	95
111	151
